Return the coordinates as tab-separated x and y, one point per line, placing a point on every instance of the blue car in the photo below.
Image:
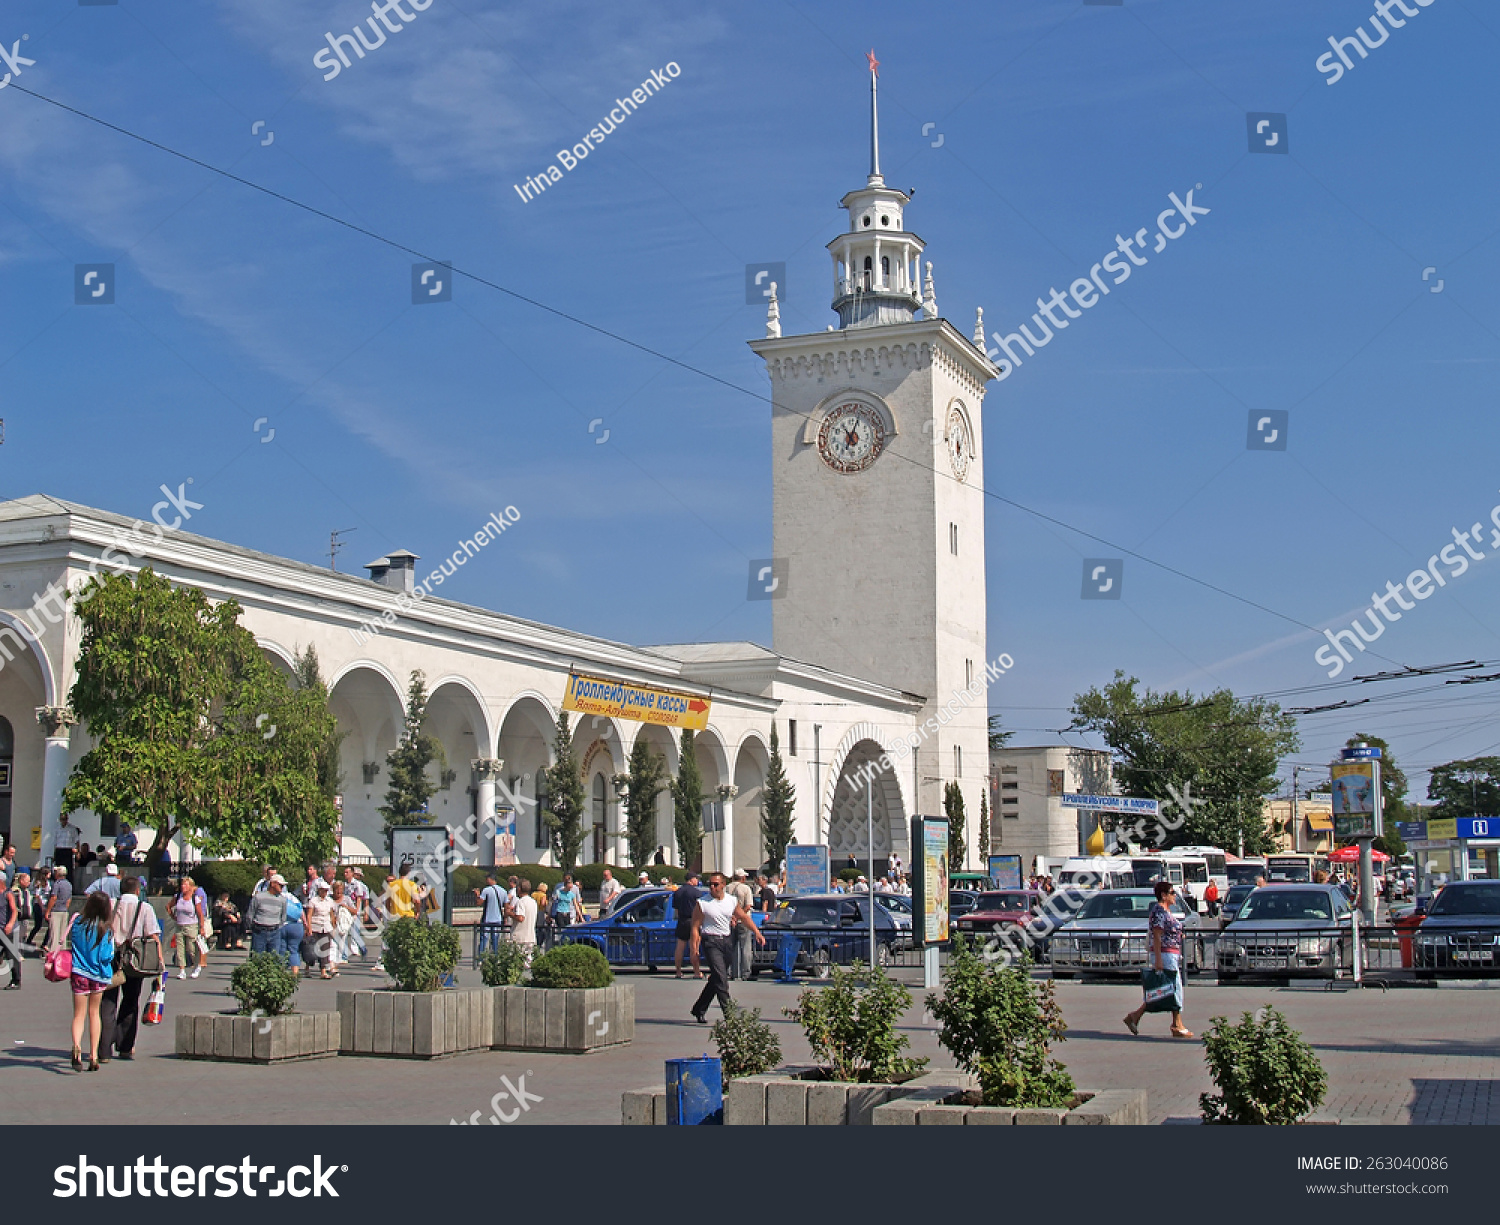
640	932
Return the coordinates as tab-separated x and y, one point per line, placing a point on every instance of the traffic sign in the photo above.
1367	753
1478	827
1114	803
1412	831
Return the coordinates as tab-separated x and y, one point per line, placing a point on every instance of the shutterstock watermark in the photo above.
14	60
407	600
1336	67
515	1093
156	1178
1420	584
569	158
1086	291
358	43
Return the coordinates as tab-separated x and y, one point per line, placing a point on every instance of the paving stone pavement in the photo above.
1404	1056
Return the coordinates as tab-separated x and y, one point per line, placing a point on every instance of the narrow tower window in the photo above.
953	538
867	272
885	270
958	761
791	737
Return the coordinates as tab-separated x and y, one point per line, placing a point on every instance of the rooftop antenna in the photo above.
335	544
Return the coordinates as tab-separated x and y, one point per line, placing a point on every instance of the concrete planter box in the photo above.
790	1099
236	1039
936	1106
415	1025
564	1021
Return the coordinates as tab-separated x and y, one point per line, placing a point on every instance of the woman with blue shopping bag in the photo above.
1161	980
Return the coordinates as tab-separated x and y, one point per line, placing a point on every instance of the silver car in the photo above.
1110	935
1293	929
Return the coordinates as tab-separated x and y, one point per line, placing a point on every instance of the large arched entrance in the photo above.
867	809
368	704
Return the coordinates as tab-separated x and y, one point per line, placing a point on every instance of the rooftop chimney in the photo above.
397	570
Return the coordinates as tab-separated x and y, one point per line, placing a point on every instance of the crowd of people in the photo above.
320	923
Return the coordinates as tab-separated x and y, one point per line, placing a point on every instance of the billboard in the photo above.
425	848
806	869
929	840
1354	790
505	836
1005	871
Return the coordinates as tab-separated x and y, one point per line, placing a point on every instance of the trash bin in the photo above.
1404	927
695	1092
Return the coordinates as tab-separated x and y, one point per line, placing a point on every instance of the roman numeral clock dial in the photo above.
851	438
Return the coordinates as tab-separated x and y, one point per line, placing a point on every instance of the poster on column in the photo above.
930	901
505	836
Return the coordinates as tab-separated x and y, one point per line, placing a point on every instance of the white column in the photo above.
55	722
486	771
725	861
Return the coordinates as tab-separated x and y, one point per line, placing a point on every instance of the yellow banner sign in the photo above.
1442	828
593	695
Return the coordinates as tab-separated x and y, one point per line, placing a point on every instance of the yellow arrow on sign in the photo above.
594	695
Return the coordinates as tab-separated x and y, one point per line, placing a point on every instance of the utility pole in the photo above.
335	544
1296	825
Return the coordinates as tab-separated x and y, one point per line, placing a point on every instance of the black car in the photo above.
830	929
1461	933
961	902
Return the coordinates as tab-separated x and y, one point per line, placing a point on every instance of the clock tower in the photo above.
878	460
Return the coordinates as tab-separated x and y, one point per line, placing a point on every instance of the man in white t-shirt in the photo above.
523	911
609	889
714	918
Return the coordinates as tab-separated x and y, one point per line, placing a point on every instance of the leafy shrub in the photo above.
850	874
466	879
1266	1073
747	1045
420	955
851	1025
236	877
264	983
1000	1026
591	875
572	965
504	966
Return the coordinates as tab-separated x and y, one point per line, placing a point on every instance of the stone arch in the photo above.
457	717
751	762
664	742
278	657
859	780
27	681
524	744
369	705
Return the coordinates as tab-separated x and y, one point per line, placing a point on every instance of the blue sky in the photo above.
1058	124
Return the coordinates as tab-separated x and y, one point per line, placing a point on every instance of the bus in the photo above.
1294	868
1188	872
1217	862
1244	871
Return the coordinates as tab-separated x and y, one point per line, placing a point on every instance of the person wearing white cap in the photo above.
266	915
317	948
108	884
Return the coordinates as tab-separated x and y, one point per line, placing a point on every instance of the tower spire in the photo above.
875	176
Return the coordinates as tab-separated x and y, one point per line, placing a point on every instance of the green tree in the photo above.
984	830
406	765
997	737
308	677
778	800
565	798
193	730
648	779
687	803
953	809
1466	788
1217	751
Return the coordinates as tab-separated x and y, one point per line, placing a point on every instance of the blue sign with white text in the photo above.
1368	753
1478	827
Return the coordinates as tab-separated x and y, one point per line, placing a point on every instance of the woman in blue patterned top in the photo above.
93	950
1166	954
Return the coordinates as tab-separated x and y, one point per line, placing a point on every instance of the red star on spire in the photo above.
874	63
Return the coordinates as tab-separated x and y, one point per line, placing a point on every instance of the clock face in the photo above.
960	446
851	438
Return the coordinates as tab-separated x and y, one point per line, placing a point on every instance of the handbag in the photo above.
1160	990
139	957
57	965
156	1006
